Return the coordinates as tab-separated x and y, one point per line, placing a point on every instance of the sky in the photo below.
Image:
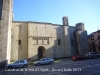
52	11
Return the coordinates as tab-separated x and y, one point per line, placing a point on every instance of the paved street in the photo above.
68	67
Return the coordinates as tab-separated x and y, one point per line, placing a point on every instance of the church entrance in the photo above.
41	52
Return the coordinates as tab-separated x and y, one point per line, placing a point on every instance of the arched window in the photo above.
59	42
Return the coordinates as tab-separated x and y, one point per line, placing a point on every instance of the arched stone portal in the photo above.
41	52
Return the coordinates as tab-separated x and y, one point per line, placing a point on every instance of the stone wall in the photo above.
73	40
47	35
38	34
67	41
82	41
52	32
19	32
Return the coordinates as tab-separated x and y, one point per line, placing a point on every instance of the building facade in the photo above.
94	41
23	40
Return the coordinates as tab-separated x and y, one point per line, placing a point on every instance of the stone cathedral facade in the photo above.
35	40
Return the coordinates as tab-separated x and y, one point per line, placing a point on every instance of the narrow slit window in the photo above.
19	42
48	41
59	42
20	26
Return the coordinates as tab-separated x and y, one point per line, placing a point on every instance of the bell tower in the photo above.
5	31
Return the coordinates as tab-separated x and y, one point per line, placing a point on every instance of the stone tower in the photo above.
80	26
82	39
5	30
65	20
66	36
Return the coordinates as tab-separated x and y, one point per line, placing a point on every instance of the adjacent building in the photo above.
94	41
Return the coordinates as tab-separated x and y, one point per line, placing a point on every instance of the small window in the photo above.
21	61
42	59
16	62
47	59
98	37
92	38
19	42
59	42
99	42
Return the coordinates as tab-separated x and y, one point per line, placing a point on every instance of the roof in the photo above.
36	22
90	34
93	33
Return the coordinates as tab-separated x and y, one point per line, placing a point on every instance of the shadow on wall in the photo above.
82	42
75	43
3	63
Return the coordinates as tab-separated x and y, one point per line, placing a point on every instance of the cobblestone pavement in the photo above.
69	67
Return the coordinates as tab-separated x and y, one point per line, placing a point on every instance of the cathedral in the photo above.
35	40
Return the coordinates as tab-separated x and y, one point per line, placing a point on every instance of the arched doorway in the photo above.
41	52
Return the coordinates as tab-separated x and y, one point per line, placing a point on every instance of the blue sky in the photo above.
52	11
